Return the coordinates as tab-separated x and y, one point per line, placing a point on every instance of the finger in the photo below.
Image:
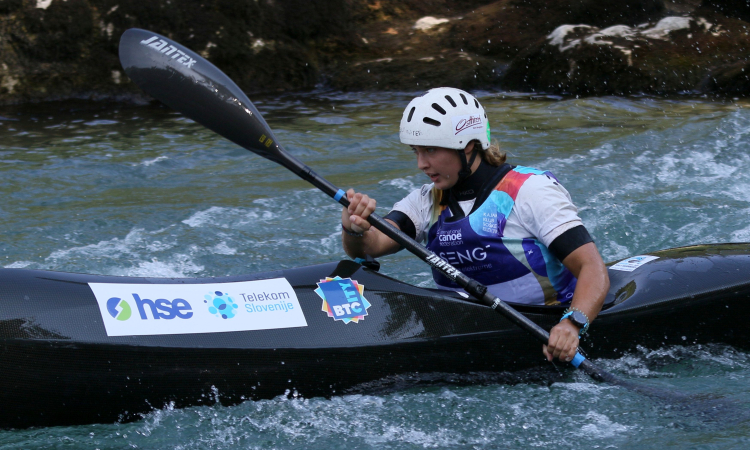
567	346
553	344
358	224
365	206
365	209
354	202
572	349
358	204
562	347
369	208
546	352
361	204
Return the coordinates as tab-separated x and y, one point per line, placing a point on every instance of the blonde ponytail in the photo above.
493	155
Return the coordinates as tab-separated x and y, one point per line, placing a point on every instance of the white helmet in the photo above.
445	117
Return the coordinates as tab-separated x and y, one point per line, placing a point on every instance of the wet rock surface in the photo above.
56	49
702	52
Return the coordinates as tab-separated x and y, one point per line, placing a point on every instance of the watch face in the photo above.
578	319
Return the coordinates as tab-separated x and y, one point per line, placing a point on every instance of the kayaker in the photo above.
514	229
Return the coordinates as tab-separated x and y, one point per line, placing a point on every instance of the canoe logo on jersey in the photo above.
119	309
220	304
448	238
343	299
169	50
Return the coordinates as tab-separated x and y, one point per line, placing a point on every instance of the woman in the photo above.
513	229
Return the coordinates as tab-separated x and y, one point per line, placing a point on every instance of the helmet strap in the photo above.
466	166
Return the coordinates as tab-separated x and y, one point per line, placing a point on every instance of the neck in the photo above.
469	187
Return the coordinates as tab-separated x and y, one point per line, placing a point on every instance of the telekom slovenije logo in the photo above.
221	304
343	299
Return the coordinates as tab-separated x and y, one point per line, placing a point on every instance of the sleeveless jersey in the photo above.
517	270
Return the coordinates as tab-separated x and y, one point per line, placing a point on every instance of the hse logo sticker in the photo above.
150	309
119	308
220	304
632	263
343	299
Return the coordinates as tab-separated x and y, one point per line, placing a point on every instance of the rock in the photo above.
425	23
502	29
731	79
672	56
68	48
57	49
407	73
739	9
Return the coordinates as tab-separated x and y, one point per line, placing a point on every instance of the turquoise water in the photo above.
139	190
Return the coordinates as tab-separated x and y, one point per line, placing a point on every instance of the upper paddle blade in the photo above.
183	80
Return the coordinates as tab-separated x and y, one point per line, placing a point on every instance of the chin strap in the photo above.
466	166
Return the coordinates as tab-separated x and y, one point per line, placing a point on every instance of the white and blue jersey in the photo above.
504	242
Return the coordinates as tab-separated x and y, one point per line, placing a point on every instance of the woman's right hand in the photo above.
360	207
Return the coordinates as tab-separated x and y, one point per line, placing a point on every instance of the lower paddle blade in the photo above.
186	82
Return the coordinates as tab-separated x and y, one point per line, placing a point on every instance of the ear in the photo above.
469	148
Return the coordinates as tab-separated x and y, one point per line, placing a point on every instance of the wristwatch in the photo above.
578	318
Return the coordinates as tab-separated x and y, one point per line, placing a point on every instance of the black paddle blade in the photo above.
186	82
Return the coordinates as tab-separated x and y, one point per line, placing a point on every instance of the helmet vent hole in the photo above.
476	103
429	121
438	108
450	100
411	113
466	102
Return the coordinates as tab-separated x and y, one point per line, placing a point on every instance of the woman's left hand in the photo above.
563	342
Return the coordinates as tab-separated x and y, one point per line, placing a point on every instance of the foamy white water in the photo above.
142	191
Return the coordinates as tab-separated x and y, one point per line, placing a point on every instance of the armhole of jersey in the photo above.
403	222
569	241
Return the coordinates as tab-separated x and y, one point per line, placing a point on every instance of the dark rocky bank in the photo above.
58	49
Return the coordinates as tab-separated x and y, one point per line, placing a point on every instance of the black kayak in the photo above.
88	348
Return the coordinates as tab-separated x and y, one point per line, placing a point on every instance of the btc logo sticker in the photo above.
343	299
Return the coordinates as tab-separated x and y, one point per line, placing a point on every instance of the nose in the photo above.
422	161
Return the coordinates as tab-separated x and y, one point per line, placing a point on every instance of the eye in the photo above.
430	150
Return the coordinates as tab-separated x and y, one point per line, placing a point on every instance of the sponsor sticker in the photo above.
343	299
408	132
149	309
632	263
169	50
471	124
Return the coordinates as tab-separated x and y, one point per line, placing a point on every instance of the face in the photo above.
440	164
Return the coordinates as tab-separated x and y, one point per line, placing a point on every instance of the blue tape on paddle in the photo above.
339	194
577	360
